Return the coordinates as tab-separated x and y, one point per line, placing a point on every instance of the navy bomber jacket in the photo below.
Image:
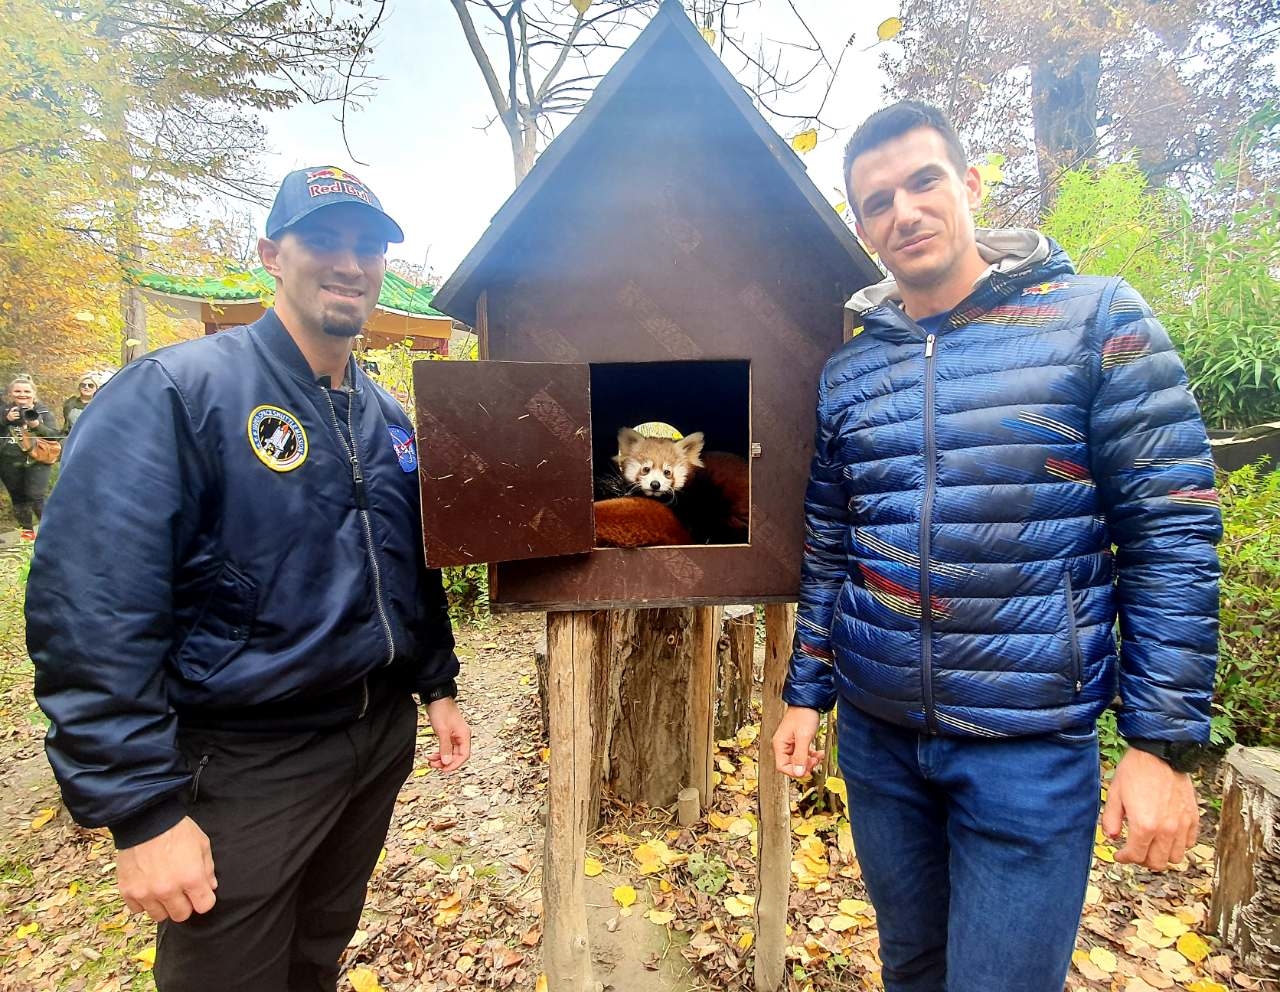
213	551
988	504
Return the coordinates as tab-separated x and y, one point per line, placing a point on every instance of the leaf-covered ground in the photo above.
455	901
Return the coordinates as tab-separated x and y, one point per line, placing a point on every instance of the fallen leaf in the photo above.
1171	962
805	141
364	980
592	867
1170	926
739	906
746	940
1192	947
624	896
853	907
1103	959
541	984
840	923
146	957
25	931
1206	985
659	917
43	817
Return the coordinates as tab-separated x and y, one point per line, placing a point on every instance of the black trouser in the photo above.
296	822
28	485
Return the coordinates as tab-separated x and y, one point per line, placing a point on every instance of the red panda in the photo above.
706	491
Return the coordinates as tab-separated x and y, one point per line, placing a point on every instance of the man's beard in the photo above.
339	326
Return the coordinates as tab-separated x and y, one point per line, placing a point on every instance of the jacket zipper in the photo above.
926	514
195	781
1077	660
362	506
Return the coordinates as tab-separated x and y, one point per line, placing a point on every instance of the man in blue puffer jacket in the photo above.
228	609
995	429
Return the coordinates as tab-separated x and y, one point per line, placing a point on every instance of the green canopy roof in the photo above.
243	287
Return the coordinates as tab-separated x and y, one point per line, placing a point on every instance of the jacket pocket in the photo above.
1076	672
222	626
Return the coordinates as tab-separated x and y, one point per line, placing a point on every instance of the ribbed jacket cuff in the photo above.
149	822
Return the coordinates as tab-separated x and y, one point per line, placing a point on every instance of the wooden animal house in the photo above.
666	261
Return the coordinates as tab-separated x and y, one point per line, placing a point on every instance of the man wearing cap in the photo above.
229	690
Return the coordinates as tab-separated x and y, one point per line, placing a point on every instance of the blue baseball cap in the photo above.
305	191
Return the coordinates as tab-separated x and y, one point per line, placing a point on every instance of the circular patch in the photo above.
277	438
656	428
406	453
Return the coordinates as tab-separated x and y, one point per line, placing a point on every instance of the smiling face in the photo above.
23	394
328	269
916	211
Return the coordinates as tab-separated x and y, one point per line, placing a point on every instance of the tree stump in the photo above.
735	670
1246	896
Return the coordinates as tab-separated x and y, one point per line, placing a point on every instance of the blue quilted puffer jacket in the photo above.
1042	456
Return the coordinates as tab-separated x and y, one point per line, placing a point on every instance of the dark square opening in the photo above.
713	397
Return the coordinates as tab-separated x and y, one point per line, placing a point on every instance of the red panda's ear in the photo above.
691	447
628	439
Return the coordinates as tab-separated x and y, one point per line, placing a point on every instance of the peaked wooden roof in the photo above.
671	32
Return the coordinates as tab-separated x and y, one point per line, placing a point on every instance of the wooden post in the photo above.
566	950
702	700
1246	895
735	670
687	807
775	808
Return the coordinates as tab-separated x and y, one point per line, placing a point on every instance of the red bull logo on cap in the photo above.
321	182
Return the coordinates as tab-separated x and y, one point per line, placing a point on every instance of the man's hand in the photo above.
169	876
793	750
1160	805
453	733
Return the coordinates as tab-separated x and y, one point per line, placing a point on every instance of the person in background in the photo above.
73	406
26	479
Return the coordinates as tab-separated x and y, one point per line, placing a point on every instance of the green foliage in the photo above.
1247	702
1215	291
709	872
467	587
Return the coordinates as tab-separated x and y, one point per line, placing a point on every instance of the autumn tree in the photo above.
544	58
1061	83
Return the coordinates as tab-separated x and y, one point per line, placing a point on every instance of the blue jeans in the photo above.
975	852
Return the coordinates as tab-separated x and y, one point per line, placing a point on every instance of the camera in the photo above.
30	416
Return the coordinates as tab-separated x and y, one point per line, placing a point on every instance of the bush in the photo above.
1247	701
467	587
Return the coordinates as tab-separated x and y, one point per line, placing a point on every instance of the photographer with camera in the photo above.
27	454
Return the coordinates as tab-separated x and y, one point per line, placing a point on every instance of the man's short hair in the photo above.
893	121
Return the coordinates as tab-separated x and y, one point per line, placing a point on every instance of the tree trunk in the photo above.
1246	897
652	699
1064	103
735	670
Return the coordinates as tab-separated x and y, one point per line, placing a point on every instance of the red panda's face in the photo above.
654	466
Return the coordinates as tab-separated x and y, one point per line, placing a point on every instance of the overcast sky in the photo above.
442	175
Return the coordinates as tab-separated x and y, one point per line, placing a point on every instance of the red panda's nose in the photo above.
655	485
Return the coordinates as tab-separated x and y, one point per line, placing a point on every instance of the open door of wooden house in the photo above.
504	459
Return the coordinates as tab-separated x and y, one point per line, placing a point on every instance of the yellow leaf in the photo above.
805	141
146	957
25	931
718	820
43	817
840	923
1105	853
710	35
991	169
844	839
592	867
1148	934
836	787
746	940
853	907
725	765
741	827
1170	926
624	896
364	980
841	207
739	906
1192	947
1206	985
748	734
659	917
1171	962
581	6
541	984
1103	959
888	29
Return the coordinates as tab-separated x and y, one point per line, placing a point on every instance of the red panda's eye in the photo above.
644	471
667	472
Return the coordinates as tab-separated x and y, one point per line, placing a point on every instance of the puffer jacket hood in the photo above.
968	486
